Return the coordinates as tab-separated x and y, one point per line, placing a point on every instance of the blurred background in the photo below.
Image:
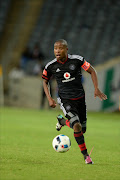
28	30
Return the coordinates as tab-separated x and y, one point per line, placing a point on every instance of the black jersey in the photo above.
68	76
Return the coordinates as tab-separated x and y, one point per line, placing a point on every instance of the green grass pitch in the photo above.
26	151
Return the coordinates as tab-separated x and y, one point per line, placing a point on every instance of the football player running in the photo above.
66	69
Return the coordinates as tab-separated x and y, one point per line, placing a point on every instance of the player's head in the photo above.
60	49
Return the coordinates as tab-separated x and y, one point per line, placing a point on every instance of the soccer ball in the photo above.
61	143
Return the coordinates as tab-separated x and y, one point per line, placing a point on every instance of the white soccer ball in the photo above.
61	143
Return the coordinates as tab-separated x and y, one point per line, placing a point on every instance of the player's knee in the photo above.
73	118
77	127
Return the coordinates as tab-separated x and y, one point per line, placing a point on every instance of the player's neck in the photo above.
63	59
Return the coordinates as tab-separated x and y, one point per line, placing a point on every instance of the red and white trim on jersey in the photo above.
62	62
72	57
44	72
44	75
86	66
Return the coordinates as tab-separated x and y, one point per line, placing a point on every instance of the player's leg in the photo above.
81	109
78	134
61	120
79	137
67	106
82	113
73	122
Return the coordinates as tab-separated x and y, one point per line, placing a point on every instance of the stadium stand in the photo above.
19	23
92	28
4	7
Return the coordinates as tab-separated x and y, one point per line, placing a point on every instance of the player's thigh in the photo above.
70	111
83	114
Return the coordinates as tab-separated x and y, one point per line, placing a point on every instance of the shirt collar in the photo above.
64	61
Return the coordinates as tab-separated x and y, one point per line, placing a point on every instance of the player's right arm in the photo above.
51	101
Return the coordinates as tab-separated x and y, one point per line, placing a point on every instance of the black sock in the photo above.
81	143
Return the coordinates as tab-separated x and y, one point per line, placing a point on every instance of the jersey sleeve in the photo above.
46	74
85	65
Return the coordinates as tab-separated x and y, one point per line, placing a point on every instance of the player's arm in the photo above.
87	67
51	101
97	91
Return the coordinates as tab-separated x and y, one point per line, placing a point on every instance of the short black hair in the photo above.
62	41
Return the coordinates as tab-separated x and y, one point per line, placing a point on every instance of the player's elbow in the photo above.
45	82
91	70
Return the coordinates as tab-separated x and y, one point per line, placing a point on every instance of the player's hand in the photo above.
101	95
52	103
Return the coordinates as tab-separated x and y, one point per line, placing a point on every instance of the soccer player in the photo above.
66	69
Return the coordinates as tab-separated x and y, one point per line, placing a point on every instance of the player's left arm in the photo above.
97	91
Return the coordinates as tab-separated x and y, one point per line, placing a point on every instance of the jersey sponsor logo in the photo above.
86	66
58	70
67	80
67	75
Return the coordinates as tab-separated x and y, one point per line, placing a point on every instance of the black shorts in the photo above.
77	107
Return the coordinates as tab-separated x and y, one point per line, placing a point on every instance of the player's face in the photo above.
60	51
